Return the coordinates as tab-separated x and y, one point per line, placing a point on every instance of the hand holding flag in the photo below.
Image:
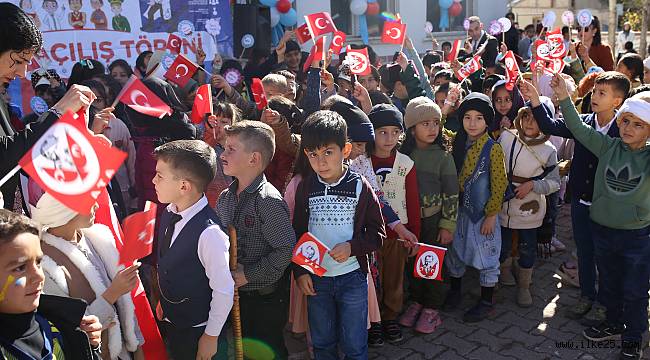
309	253
66	163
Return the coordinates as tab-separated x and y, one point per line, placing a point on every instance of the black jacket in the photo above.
65	315
13	145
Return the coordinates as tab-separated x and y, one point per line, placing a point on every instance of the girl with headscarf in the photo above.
482	183
81	261
506	104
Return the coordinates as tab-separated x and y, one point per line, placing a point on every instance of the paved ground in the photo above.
538	332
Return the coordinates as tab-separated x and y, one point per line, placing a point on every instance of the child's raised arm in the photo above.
593	140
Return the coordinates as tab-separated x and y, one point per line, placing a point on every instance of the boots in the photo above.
524	299
506	278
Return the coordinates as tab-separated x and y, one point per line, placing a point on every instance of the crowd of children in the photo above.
373	167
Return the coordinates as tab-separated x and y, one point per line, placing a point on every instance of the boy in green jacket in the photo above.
620	214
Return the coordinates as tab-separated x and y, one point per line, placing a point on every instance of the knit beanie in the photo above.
359	126
421	109
479	102
386	115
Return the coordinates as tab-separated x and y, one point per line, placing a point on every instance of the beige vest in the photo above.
528	162
394	186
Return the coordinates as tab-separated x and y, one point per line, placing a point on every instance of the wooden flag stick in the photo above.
236	315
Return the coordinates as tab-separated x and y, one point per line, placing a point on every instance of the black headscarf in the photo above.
170	127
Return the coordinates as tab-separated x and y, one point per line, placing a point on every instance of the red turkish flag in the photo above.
181	71
138	234
428	262
317	52
338	40
393	33
139	98
302	34
258	93
471	66
319	24
202	103
453	54
512	69
174	43
358	60
66	163
309	253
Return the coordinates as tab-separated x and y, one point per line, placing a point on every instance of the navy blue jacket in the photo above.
584	163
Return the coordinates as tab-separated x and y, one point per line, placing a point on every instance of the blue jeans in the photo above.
623	258
581	224
338	315
527	246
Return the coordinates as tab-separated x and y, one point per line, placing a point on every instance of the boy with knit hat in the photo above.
620	214
482	181
395	176
438	185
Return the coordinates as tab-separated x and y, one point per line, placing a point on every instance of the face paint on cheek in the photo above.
10	279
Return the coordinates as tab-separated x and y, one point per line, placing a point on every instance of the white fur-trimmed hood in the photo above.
102	240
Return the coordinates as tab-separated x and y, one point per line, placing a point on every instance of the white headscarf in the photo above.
51	213
638	107
646	63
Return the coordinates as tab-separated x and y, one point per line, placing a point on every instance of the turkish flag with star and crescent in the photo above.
181	71
258	93
393	33
317	52
320	24
428	262
302	34
358	60
138	234
174	43
309	253
202	103
139	98
66	163
338	40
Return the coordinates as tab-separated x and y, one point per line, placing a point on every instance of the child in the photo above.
225	114
438	186
275	85
482	179
620	215
610	90
338	301
360	133
631	65
531	162
196	289
35	325
265	237
81	261
396	177
506	105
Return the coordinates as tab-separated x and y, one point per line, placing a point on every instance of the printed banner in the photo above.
106	30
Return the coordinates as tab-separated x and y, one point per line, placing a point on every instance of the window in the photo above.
455	22
348	23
